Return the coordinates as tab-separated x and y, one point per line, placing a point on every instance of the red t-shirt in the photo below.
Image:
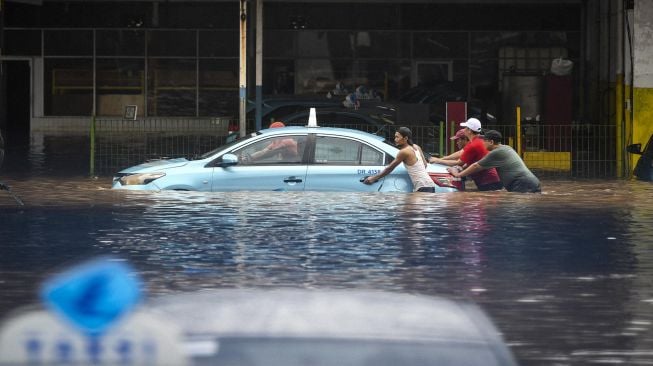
473	152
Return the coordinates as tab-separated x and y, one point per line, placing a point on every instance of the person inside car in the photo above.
280	149
414	161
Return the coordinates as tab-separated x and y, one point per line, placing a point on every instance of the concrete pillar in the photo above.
642	74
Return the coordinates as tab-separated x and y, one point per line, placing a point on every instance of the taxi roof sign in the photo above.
39	337
94	295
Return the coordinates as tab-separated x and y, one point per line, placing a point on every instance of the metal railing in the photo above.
557	151
117	144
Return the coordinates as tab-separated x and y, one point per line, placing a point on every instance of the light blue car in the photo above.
284	159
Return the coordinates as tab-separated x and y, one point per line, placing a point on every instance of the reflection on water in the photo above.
565	275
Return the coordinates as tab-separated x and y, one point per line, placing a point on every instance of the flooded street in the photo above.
565	275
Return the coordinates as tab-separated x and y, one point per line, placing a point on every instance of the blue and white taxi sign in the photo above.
94	295
91	321
41	338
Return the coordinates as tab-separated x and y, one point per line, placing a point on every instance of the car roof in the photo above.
336	131
335	314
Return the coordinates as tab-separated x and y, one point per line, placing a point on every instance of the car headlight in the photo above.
140	178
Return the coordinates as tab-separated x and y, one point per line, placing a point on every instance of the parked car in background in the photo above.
644	168
313	159
288	327
273	108
437	95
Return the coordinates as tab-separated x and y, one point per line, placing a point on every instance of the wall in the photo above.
643	74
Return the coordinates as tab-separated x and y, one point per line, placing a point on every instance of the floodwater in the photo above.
565	275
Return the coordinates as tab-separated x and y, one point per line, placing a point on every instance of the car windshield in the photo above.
226	145
318	352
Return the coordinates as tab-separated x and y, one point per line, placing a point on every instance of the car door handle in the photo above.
292	180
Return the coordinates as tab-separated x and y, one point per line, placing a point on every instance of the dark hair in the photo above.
406	132
493	135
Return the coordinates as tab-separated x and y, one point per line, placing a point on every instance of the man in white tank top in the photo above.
414	162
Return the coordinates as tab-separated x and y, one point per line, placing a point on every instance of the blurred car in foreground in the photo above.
644	168
288	327
266	327
321	159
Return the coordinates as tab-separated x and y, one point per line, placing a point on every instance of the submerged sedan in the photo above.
284	159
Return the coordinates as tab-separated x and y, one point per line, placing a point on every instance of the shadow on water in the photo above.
565	275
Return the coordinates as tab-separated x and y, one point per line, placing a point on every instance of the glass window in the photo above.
325	44
68	43
22	42
279	44
120	82
200	14
171	87
279	77
441	45
171	43
371	156
378	75
68	87
321	75
274	150
120	42
219	43
377	44
340	151
218	95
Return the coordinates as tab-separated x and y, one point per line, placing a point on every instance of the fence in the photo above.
579	150
118	144
558	151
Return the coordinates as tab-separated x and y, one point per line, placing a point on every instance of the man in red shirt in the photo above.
475	150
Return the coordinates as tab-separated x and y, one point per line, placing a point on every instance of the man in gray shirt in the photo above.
514	174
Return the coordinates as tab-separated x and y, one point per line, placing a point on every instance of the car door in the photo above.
340	164
259	169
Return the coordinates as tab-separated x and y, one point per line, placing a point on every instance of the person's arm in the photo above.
446	162
467	171
263	152
419	150
454	156
388	169
275	147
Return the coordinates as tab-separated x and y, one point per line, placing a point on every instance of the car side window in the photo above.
274	150
339	151
370	156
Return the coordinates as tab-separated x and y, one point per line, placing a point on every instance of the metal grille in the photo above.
120	144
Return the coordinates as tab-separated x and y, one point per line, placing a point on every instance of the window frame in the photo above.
359	153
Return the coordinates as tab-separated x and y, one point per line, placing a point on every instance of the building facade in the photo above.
180	59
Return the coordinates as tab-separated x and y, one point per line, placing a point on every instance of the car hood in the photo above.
154	165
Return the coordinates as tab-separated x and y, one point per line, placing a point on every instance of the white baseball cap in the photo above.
473	124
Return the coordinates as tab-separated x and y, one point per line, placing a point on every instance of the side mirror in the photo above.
634	149
228	160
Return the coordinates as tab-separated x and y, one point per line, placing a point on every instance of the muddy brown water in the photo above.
565	275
